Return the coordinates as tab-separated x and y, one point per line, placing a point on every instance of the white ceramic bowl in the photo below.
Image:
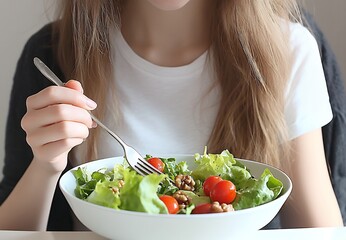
121	225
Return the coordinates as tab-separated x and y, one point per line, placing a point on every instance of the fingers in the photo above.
73	84
57	132
56	149
57	119
53	114
55	94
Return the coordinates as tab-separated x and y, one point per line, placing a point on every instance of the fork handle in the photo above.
110	132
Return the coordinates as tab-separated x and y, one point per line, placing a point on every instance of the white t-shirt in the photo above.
168	110
307	101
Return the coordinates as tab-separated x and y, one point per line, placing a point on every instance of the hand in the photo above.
57	120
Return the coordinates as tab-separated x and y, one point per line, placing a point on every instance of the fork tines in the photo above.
146	168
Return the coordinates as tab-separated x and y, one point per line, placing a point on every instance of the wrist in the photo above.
51	166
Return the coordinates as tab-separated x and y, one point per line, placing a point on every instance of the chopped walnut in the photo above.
216	207
115	190
121	183
185	182
182	198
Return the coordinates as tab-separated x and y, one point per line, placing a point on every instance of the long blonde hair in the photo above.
252	64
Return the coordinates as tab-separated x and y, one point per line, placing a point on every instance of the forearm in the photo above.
297	212
312	202
28	206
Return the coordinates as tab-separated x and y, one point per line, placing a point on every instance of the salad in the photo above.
218	183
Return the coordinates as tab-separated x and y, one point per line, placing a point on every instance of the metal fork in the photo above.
134	159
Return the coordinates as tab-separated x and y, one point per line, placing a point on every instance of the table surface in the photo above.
282	234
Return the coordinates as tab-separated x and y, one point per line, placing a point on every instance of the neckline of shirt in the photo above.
122	47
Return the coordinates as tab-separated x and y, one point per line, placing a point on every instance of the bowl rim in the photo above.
281	197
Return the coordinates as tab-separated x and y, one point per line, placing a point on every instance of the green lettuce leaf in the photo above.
173	168
196	199
106	194
139	193
167	188
223	165
255	192
85	185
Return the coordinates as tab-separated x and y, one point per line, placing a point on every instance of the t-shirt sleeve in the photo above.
307	102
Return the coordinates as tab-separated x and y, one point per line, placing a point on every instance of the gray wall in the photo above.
331	17
21	18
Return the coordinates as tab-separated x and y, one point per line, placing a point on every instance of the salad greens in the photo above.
103	188
122	188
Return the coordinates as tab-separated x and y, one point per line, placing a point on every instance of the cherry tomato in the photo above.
157	163
223	192
171	204
202	209
209	184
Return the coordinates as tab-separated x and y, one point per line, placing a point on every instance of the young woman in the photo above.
170	76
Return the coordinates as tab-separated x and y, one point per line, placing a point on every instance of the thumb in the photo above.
73	84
